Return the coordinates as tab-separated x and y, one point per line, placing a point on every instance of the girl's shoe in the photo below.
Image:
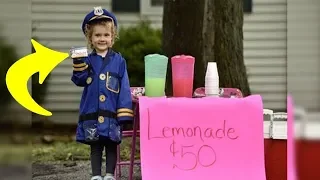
109	177
96	178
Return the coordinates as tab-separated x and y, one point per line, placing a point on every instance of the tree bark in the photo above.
228	44
183	34
210	31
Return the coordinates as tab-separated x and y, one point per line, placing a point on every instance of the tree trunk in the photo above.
228	44
183	34
208	33
209	30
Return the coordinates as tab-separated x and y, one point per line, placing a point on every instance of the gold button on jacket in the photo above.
101	119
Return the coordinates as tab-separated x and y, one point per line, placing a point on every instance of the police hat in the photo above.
98	13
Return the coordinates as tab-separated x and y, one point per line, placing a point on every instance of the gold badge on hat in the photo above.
98	11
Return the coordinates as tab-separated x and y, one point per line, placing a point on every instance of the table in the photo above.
307	156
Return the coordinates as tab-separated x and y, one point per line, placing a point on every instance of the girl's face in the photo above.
101	38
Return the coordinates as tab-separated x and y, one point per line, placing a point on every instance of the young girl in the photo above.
106	98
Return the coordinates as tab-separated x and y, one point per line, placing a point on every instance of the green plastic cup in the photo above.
155	74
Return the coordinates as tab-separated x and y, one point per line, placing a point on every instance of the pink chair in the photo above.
224	92
135	93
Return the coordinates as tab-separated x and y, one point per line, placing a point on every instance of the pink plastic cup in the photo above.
182	75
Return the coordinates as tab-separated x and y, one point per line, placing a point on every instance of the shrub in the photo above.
8	56
134	43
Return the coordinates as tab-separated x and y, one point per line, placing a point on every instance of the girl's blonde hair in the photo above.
104	22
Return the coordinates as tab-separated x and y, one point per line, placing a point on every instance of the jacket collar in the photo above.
109	53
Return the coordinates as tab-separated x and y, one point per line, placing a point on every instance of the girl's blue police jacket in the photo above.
106	98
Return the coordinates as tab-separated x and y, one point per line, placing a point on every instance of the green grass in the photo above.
72	151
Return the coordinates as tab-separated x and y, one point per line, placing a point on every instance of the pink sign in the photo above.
291	165
202	138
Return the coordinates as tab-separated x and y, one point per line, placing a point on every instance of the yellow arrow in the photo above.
44	60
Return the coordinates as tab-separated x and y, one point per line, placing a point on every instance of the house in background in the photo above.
58	26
